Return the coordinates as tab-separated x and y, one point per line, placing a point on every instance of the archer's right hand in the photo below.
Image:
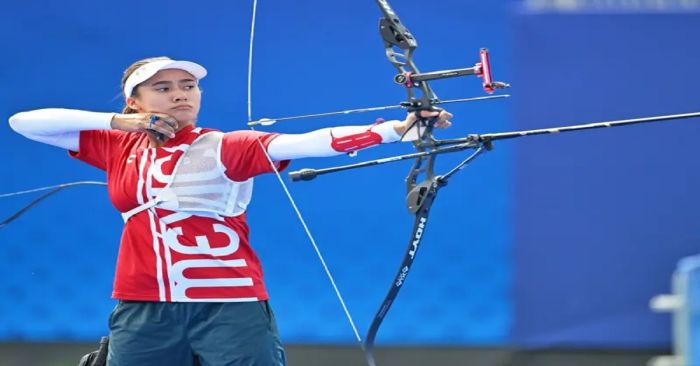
152	123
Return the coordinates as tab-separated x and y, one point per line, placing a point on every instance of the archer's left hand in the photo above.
442	122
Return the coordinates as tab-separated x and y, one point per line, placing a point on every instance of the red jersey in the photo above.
175	256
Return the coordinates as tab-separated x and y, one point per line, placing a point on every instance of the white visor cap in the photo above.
146	71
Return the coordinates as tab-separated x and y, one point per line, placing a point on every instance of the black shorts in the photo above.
174	334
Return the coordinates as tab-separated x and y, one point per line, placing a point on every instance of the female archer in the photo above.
188	283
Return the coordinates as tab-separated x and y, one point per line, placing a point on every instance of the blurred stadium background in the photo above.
545	251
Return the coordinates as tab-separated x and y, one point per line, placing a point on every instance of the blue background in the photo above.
553	240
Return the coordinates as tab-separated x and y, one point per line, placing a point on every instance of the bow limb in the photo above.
421	202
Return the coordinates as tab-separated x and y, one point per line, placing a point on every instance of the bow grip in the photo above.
427	120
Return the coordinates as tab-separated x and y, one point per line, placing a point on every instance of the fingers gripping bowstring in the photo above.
284	186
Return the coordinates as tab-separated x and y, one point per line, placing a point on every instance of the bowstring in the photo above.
284	186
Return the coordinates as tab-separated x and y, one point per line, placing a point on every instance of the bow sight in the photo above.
481	69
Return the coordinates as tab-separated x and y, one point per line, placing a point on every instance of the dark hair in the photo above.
130	70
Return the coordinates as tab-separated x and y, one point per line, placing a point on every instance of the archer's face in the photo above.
173	92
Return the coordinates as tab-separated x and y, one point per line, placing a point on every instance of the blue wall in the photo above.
602	216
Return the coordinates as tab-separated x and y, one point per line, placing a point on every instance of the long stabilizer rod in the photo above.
587	126
544	131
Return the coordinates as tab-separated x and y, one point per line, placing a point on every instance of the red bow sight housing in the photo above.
481	69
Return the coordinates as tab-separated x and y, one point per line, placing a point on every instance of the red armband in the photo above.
358	141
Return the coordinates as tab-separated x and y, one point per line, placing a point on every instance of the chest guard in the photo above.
199	184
